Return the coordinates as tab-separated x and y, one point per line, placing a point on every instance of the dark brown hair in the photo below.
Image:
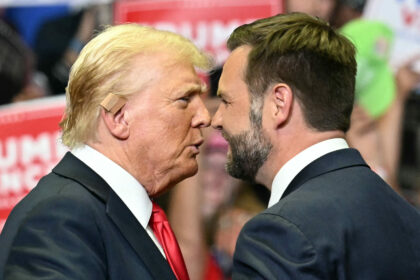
307	54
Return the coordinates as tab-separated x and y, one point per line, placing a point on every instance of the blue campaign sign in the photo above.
416	1
20	3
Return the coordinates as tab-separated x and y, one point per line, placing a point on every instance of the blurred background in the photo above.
41	39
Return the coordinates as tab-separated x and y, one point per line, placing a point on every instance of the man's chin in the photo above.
191	170
234	170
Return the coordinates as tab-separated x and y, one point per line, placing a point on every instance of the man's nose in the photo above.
202	117
216	122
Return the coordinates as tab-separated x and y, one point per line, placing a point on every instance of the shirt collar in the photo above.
129	190
289	171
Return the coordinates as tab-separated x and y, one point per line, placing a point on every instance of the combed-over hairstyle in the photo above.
103	66
304	52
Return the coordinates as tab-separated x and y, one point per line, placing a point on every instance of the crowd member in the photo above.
195	201
375	90
218	188
287	92
224	231
207	240
59	42
28	19
380	94
323	9
347	10
56	34
16	68
133	123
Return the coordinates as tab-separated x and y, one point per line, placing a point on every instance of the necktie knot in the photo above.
164	234
158	215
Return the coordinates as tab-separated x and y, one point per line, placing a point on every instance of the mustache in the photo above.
227	136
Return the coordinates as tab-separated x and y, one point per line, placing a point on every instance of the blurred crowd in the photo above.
43	42
38	45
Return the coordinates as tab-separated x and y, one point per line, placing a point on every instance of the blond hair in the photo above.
102	68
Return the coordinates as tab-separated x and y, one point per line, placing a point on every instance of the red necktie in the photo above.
164	234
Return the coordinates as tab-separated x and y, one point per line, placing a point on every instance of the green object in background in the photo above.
375	84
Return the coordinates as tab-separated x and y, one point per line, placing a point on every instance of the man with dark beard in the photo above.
287	93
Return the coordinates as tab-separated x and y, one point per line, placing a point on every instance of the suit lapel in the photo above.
332	161
71	167
138	238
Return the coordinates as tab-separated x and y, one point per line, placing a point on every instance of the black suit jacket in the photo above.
336	220
73	226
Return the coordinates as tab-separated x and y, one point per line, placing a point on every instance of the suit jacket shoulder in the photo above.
340	221
73	226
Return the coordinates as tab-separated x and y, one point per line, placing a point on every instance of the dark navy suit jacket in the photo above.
73	226
336	220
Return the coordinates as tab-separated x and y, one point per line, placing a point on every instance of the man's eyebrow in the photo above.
193	88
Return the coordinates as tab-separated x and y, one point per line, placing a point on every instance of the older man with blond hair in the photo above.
133	123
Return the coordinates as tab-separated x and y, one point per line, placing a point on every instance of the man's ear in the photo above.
116	123
281	100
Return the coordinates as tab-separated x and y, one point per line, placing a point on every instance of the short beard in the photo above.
249	151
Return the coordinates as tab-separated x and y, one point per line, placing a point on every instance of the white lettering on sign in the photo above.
10	182
22	180
9	202
25	159
221	32
8	153
36	148
32	175
208	35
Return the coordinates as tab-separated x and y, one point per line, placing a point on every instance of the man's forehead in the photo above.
236	62
240	53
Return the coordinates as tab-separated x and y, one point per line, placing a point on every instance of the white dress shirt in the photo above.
289	171
129	190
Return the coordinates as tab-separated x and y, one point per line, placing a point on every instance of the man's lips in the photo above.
199	142
196	145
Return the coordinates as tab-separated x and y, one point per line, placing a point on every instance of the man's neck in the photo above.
285	149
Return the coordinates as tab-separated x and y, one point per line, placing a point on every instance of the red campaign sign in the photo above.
29	147
207	22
